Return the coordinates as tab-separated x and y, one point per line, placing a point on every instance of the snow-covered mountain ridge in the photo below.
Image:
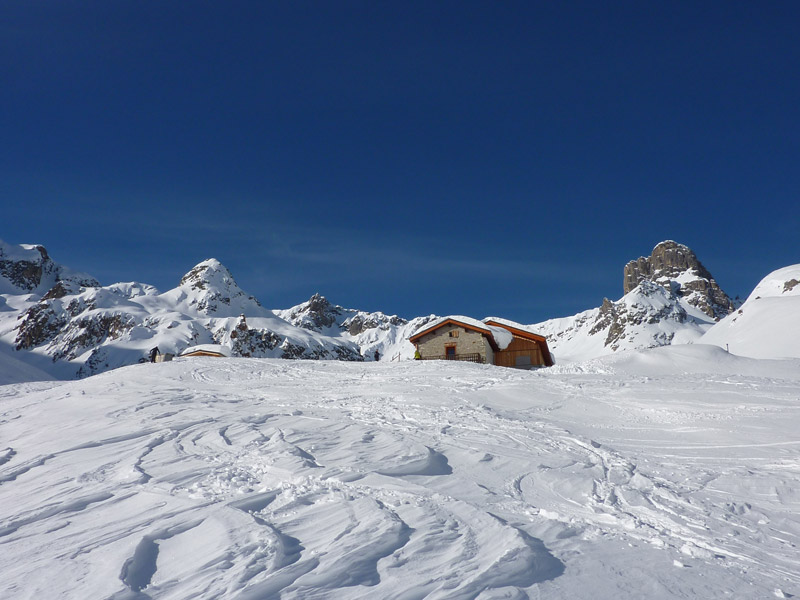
67	324
375	331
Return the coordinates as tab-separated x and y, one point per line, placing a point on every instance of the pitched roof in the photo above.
459	320
522	330
208	348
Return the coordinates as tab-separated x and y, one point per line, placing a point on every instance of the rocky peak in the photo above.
210	272
318	313
668	260
361	322
675	266
210	289
318	304
315	314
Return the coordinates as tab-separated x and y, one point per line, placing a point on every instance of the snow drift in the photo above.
768	324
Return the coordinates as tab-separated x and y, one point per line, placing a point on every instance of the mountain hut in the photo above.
492	341
206	350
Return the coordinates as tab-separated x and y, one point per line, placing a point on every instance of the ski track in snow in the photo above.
253	479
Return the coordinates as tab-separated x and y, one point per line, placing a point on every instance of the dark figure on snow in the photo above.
153	353
377	356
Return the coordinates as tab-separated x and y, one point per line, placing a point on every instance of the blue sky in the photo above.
411	157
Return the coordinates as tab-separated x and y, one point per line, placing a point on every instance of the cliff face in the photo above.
676	267
28	268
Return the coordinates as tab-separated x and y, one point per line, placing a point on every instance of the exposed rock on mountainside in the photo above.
647	316
314	315
675	265
71	321
650	305
318	314
361	322
29	268
40	324
261	341
25	274
371	332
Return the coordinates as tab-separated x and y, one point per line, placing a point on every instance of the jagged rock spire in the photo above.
676	266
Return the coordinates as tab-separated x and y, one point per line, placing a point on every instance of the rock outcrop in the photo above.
645	307
29	268
673	265
318	314
315	315
361	322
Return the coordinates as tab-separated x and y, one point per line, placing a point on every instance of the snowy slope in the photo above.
664	474
13	370
768	324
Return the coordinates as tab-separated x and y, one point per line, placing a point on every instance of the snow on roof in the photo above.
503	337
475	323
216	348
513	324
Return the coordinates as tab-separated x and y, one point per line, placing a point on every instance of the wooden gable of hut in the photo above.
527	349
